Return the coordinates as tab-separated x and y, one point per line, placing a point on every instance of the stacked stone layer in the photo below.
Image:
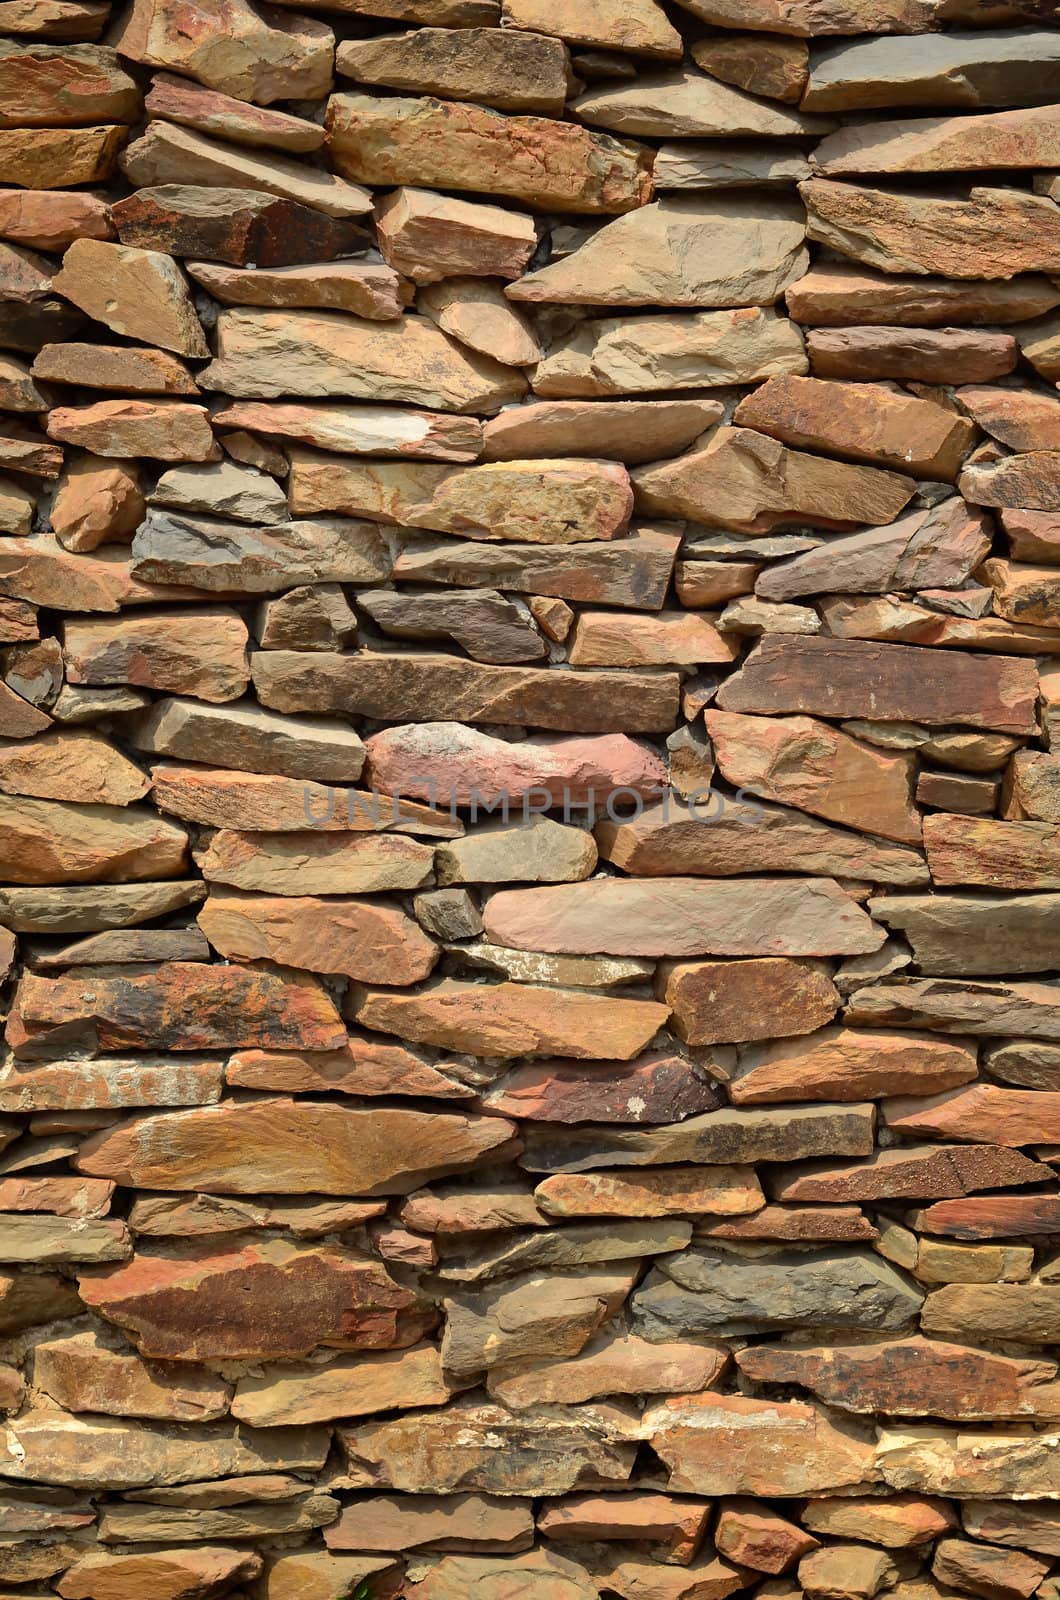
530	799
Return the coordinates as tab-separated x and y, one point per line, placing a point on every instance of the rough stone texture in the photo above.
529	799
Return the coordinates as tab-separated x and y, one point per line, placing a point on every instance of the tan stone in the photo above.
363	1066
685	103
980	1112
632	571
509	1321
837	294
365	289
744	480
53	158
840	1064
476	314
960	69
1029	137
489	67
361	430
624	430
227	45
18	392
64	86
265	354
140	293
192	106
98	501
898	1521
318	1575
82	1372
686	251
669	639
71	764
178	1574
718	1191
47	841
551	502
755	1537
403	1523
345	1387
967	1461
219	798
1023	419
599	24
18	505
200	653
167	154
538	851
356	938
996	233
775	67
557	166
168	430
128	369
250	739
1026	481
314	863
807	18
877	424
429	236
51	219
111	1084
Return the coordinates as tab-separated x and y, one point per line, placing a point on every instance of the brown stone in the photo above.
993	1217
357	938
556	166
1019	1312
958	69
611	1363
793	1225
83	1373
199	653
231	225
914	354
671	351
509	1321
755	1537
346	1387
18	506
633	571
431	1522
539	1576
264	354
311	617
433	688
686	103
313	863
1000	855
745	480
192	106
550	502
363	1067
1032	778
69	764
178	1574
675	1528
1032	535
314	1574
18	392
983	1111
726	1002
511	1019
836	294
841	1064
97	502
624	430
112	1083
848	678
996	1574
1027	1526
475	312
361	430
663	1191
50	842
1028	137
508	70
693	250
898	1522
730	1444
846	1572
366	289
129	369
240	1148
1003	1008
1030	481
287	57
140	293
658	1087
51	219
222	799
249	739
680	917
64	86
996	233
485	624
168	430
53	158
428	236
775	67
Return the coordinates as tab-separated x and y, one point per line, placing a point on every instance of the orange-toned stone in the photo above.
755	1537
981	1112
167	430
844	1064
361	940
668	639
728	1002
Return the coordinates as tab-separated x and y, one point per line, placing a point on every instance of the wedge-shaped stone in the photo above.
838	294
346	1387
619	430
265	804
736	165
247	1148
208	554
898	1522
98	501
88	908
962	1462
730	1444
457	1522
247	1519
366	289
682	917
167	1574
983	1111
632	572
235	225
53	158
363	1067
996	855
706	1291
610	1364
235	50
639	355
725	1002
71	764
358	939
45	841
1030	481
263	355
807	18
190	105
991	1217
200	653
540	1575
51	219
718	1137
996	233
428	236
737	478
315	863
140	293
905	1377
850	1064
885	682
1027	1010
538	851
658	1087
907	1172
513	1019
947	931
665	1191
508	70
509	1322
438	688
1027	1527
129	369
979	1570
1021	418
561	501
880	425
351	430
472	1446
178	1006
31	1240
687	251
46	1445
774	66
485	624
249	739
1010	68
223	488
64	86
809	764
86	1372
723	839
685	103
760	1539
168	430
1019	1312
165	154
435	144
1001	139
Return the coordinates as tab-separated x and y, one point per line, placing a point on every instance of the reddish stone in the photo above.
728	1002
239	226
658	1087
910	1172
1011	1117
844	1064
360	939
995	1574
364	1067
675	1528
755	1537
1001	1216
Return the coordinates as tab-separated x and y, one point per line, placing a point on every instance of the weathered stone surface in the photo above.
775	67
884	681
996	233
654	1088
508	70
485	624
264	354
313	1574
360	430
431	1522
366	289
210	554
168	430
915	354
140	293
686	251
966	1462
449	145
357	938
507	1323
633	571
52	158
250	739
191	106
111	1083
51	219
846	1572
82	1372
625	430
199	653
622	917
1031	780
898	1522
1031	480
71	765
726	1002
1013	1009
443	688
742	479
736	165
364	1067
86	908
670	639
849	1064
475	312
49	841
984	1111
992	1217
684	103
233	225
708	1291
718	1191
427	236
944	69
221	799
945	931
1003	139
550	502
989	1572
755	1537
311	617
346	1387
178	1574
223	488
641	27
840	294
314	863
112	366
907	1172
885	427
98	501
231	47
729	1444
1027	1527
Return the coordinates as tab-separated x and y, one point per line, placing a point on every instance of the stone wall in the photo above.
529	804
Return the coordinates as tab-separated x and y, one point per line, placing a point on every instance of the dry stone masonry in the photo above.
530	799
